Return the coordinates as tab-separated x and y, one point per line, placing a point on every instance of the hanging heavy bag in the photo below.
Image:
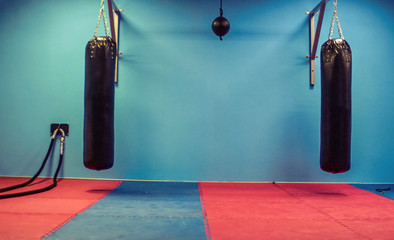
336	74
98	152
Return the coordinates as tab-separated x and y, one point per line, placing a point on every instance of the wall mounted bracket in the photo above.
314	36
114	17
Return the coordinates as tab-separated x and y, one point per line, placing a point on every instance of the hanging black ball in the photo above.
220	26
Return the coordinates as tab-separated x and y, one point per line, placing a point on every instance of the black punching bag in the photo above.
99	103
336	74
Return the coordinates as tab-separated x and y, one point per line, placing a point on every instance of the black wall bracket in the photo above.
63	126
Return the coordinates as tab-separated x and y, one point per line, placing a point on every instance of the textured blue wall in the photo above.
189	106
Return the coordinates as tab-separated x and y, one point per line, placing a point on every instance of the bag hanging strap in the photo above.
102	13
335	17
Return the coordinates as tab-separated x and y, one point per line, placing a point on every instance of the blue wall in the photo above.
189	106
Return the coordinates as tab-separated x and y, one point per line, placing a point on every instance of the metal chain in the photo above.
102	13
335	17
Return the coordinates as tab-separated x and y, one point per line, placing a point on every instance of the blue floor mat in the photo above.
385	190
141	210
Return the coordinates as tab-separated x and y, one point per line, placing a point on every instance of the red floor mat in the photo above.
30	217
295	211
231	210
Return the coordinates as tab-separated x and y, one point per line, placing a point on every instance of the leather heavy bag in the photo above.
336	74
99	103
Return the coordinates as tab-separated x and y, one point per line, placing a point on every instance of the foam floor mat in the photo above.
141	210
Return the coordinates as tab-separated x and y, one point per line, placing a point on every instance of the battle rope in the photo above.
381	190
20	194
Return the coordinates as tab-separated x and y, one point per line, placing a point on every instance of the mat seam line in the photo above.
52	231
204	212
322	212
